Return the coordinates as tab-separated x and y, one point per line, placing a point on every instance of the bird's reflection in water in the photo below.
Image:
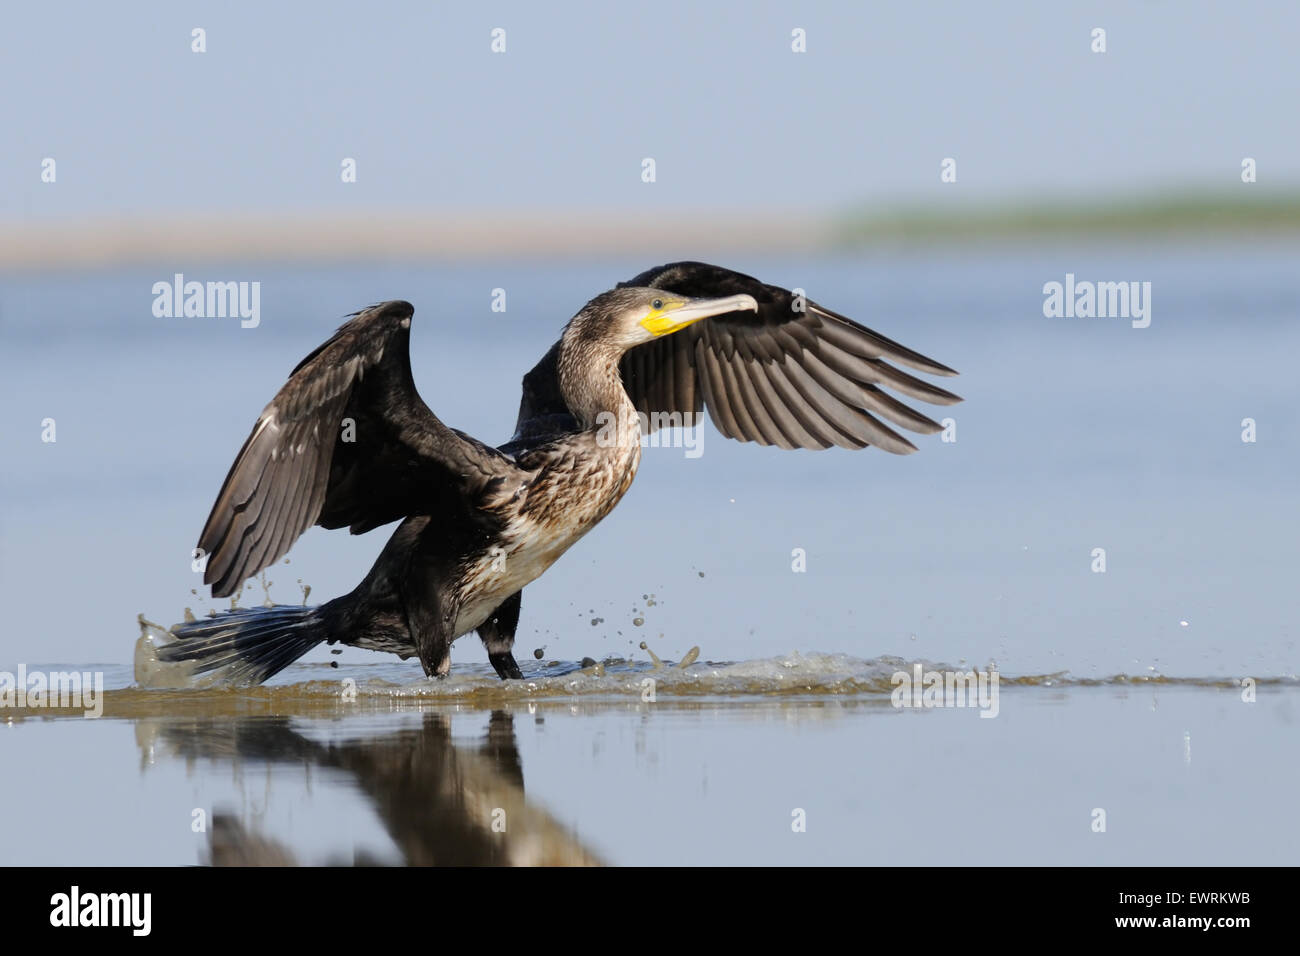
443	803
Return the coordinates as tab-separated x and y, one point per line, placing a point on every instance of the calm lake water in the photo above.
1076	435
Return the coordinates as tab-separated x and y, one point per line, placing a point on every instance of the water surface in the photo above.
1076	435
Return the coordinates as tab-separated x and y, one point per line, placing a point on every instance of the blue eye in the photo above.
657	304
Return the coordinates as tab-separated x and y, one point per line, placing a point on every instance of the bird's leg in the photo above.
506	666
498	634
430	631
438	663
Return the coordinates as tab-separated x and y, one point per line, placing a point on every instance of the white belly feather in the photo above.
561	512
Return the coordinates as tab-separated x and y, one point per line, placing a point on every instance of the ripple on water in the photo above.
388	684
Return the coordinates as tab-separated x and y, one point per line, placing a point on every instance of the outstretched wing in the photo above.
346	442
792	374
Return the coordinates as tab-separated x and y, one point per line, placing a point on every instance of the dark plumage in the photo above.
347	442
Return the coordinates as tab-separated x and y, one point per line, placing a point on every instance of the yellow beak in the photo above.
676	314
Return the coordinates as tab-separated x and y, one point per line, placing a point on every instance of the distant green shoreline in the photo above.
1140	215
389	234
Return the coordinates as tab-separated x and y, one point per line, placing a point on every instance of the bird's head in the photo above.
626	318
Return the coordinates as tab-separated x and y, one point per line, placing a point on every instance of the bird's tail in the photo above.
246	645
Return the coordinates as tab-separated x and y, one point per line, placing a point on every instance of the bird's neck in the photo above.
593	388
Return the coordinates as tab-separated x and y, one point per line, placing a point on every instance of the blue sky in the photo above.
141	126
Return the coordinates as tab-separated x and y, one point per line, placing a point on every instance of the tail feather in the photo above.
247	645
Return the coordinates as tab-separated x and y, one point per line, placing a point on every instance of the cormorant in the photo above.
347	442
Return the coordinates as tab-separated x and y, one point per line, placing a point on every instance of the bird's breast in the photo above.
564	499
